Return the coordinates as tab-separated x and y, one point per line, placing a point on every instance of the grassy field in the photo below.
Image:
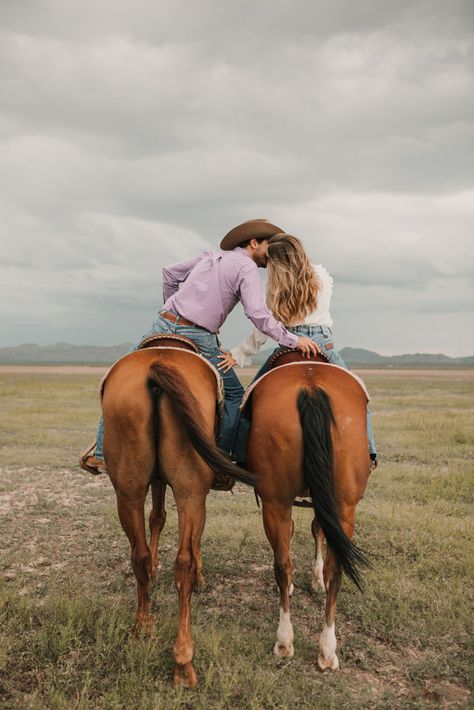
67	593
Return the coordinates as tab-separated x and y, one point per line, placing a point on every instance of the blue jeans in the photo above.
322	336
209	347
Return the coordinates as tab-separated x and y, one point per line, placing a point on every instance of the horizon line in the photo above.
127	342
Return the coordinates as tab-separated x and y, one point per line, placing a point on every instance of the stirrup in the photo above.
87	454
222	482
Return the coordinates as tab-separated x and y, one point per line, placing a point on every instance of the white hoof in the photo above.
283	651
291	590
327	659
328	664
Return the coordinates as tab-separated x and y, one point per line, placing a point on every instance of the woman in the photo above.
299	295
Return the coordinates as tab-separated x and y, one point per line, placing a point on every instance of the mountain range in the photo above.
67	354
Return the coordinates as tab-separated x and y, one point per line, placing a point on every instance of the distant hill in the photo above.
358	357
62	354
67	354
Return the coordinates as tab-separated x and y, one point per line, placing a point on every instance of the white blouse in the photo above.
320	316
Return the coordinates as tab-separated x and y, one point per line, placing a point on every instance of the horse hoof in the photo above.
291	590
282	651
328	665
185	676
201	582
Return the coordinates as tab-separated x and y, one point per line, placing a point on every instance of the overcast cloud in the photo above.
135	134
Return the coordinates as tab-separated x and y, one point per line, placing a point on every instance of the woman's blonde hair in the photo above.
292	283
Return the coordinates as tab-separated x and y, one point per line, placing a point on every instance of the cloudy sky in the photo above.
135	133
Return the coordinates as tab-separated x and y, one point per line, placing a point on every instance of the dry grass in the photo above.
67	593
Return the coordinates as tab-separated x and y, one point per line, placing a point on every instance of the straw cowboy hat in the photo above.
252	229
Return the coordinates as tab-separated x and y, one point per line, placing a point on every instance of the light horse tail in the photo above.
316	416
163	379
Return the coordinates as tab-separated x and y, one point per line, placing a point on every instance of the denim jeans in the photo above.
209	347
322	336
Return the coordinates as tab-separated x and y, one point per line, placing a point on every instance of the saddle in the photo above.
169	340
283	356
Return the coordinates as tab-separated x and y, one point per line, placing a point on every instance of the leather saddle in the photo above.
168	340
283	356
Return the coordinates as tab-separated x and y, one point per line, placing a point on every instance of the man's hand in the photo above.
307	346
227	361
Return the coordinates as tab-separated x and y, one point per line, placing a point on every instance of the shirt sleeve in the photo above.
248	347
175	274
252	297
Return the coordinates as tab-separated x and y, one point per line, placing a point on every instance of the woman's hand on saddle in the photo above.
227	361
307	346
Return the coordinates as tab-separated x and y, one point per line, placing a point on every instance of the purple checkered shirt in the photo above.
212	284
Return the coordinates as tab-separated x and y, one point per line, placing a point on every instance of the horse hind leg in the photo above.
132	517
201	582
327	659
157	520
318	578
291	589
191	519
279	528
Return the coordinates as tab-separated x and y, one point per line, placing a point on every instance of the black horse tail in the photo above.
166	379
316	416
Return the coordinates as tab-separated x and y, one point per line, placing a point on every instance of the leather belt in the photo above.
174	318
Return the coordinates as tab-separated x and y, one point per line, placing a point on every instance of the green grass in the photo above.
67	593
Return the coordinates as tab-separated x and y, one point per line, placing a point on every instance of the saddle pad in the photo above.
250	389
215	372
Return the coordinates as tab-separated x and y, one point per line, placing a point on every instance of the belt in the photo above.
179	320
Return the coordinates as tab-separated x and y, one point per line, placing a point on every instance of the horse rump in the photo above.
167	380
316	417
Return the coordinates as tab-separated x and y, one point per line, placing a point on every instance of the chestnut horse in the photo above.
308	437
159	409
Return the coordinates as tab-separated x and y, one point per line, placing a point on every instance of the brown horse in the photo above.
308	437
159	408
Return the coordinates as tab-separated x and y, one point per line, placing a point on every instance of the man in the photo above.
198	296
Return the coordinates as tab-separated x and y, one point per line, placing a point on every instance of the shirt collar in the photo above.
243	251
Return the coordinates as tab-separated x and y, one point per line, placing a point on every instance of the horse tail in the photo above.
162	379
316	415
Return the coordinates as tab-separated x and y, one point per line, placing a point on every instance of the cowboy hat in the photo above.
252	229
